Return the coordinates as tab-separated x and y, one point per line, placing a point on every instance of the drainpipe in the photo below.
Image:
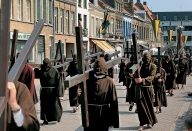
53	44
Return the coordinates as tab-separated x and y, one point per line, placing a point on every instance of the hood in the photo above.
100	65
46	62
146	58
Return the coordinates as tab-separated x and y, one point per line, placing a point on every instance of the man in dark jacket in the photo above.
102	99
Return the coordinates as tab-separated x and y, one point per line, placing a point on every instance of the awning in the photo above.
103	45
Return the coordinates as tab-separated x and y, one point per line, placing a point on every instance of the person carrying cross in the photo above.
102	99
145	93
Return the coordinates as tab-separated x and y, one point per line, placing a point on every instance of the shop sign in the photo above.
21	36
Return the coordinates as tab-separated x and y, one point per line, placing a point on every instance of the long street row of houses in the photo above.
61	17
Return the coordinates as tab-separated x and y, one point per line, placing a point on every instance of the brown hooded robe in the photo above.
145	93
102	100
27	77
31	122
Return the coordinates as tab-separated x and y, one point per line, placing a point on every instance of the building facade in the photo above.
170	21
64	26
24	15
82	13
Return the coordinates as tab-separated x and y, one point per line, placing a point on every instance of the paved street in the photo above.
171	118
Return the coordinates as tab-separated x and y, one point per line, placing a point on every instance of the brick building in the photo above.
64	25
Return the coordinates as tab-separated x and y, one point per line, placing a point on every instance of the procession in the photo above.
135	78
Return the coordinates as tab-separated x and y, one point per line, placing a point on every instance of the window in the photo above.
85	4
92	26
101	21
79	3
175	17
67	22
186	18
112	25
85	22
28	11
164	18
61	20
11	10
97	26
73	22
44	10
38	9
56	20
50	12
19	10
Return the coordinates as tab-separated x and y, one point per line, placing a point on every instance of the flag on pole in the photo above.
105	24
170	34
155	24
186	37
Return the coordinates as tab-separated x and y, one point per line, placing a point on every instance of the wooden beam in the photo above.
81	70
4	51
22	59
75	80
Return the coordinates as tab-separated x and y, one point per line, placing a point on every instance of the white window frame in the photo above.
19	10
112	25
62	20
43	10
92	28
56	19
73	22
11	10
67	22
50	22
28	10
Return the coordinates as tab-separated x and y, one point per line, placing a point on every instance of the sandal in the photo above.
130	108
141	128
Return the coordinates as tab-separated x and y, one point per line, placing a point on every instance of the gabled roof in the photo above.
91	2
125	11
149	13
136	7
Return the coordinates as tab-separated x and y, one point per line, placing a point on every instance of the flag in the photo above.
186	37
105	24
170	34
155	24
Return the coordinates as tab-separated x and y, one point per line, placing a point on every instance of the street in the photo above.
171	118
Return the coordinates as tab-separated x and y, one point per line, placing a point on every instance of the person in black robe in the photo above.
110	70
188	59
171	74
102	99
182	72
121	72
159	88
73	95
130	84
51	90
145	92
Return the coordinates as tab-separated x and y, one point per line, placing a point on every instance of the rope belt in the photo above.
98	104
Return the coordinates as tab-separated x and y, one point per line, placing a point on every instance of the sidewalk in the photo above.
171	118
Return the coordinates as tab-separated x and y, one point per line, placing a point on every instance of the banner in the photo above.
105	24
170	34
155	24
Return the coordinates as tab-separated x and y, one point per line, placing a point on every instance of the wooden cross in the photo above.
19	64
13	48
83	76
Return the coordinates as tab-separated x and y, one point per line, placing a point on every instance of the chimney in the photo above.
95	2
144	2
138	1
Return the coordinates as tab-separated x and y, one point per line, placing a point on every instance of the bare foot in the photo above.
141	128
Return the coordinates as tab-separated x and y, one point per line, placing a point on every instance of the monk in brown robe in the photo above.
159	88
51	90
145	93
110	70
27	77
73	95
130	84
21	113
102	99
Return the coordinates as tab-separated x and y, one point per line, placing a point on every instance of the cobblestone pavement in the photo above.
171	118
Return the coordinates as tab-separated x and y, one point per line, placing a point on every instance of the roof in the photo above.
102	4
136	7
125	11
91	2
148	11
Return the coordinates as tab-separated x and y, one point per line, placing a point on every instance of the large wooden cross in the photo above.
83	76
18	65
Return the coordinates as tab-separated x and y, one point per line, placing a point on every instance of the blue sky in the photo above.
168	5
